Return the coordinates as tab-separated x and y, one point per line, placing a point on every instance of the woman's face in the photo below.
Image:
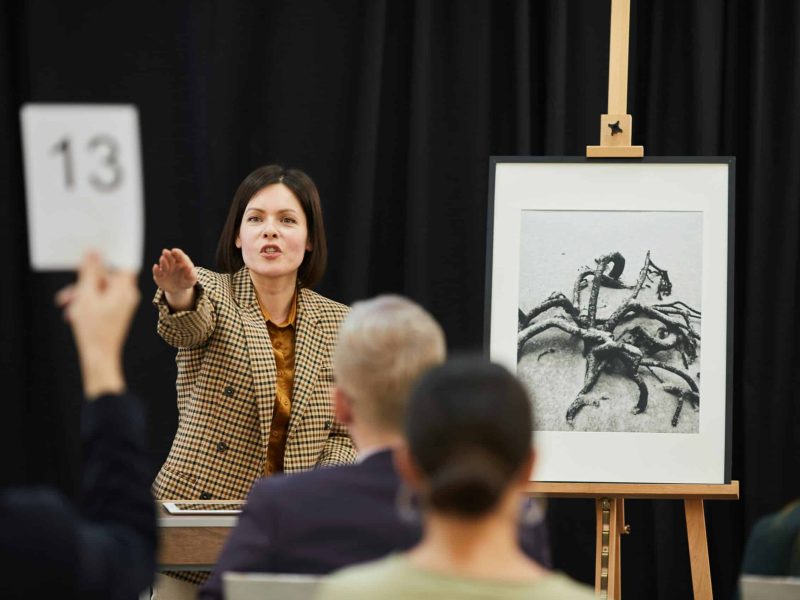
273	234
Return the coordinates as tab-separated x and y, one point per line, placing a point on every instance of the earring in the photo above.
406	503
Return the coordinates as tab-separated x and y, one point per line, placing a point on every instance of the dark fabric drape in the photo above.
394	108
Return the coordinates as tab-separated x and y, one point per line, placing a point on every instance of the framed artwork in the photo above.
609	293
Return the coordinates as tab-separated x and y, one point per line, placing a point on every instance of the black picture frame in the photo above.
577	204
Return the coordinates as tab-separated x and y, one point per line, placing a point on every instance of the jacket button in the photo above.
205	496
228	391
328	424
221	446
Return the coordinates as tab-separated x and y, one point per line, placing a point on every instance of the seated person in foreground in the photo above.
468	457
773	547
319	521
103	548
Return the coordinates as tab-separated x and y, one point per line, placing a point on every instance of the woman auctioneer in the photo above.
254	345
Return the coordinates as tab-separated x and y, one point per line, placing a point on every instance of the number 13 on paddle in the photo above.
83	181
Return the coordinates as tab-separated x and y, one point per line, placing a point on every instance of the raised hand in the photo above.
176	275
174	271
100	307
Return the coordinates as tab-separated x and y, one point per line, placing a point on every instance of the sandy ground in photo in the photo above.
552	367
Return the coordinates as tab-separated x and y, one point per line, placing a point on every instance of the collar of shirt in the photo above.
291	318
371	451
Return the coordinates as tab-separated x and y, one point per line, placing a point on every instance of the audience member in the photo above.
104	547
773	547
468	457
318	521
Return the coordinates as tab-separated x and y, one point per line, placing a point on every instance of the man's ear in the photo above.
342	406
406	467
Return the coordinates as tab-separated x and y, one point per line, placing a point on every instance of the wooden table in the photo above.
191	542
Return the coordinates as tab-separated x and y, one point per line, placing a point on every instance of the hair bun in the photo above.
469	482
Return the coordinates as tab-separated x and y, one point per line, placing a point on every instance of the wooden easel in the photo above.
610	510
616	142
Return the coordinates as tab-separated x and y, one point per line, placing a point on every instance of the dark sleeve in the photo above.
249	546
38	544
117	536
105	547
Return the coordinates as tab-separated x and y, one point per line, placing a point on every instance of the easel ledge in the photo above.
634	491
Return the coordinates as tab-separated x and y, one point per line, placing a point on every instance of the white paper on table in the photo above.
83	181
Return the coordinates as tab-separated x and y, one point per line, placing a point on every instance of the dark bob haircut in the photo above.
468	428
229	257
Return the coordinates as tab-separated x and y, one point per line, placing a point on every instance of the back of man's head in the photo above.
384	345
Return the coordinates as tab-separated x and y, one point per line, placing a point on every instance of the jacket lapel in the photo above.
312	350
259	349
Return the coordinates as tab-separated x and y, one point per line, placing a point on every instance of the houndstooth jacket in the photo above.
226	390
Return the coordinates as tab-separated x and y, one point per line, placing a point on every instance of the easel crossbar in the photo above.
634	491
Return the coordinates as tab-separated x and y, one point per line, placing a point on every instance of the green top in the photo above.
395	578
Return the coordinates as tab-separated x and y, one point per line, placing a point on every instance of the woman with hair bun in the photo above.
468	458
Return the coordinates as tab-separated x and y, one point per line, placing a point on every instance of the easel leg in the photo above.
621	528
698	549
608	564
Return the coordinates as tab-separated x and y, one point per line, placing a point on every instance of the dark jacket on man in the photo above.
322	520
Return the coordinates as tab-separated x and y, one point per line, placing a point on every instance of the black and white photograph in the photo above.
610	315
608	294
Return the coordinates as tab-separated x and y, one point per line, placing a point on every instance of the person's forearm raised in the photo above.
176	275
113	535
99	307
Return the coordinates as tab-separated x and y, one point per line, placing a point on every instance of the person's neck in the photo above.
275	294
368	440
482	548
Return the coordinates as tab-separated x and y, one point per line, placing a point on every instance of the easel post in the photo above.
616	126
608	561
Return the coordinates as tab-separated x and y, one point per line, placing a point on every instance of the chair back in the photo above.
758	587
264	586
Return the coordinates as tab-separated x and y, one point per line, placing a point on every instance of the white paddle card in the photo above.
83	180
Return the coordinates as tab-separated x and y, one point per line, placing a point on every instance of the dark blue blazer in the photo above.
104	546
319	521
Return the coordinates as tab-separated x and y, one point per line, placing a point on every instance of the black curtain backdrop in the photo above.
394	107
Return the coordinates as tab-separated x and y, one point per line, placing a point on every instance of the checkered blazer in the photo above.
226	390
